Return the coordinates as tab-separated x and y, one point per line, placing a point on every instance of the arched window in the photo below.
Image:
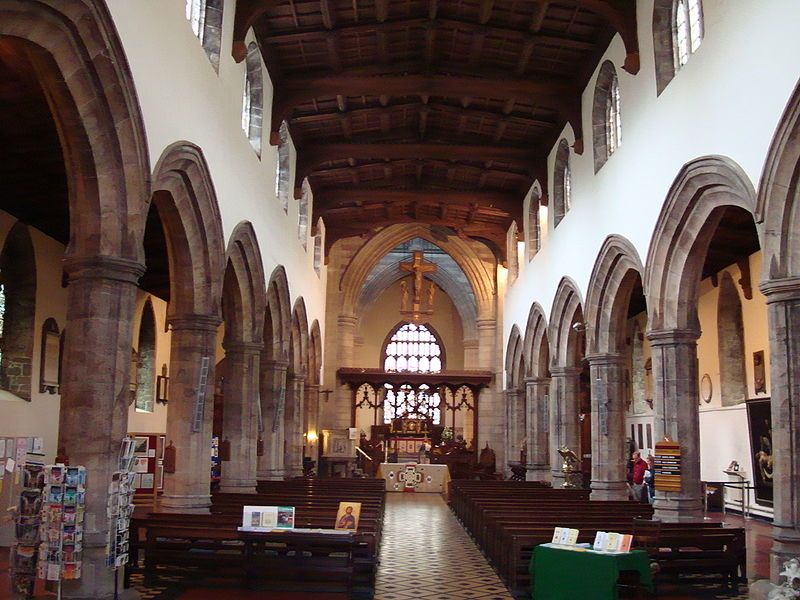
205	18
606	124
688	30
318	253
302	213
413	349
677	34
562	183
512	238
253	98
146	364
282	168
533	230
17	312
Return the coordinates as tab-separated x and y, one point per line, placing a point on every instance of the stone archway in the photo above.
694	206
515	395
186	203
274	367
616	274
537	395
243	308
777	207
295	391
567	339
79	62
312	390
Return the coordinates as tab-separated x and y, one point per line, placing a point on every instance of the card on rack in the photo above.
557	535
612	542
564	536
625	542
600	541
572	537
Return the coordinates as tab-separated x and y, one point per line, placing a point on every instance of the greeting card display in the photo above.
25	551
61	533
120	506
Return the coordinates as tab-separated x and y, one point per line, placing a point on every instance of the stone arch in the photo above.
294	416
74	47
567	311
515	360
537	347
604	88
315	354
184	196
730	339
279	315
18	282
682	235
298	363
611	284
365	259
779	196
245	314
561	191
146	369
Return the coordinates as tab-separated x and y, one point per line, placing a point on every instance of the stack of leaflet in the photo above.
120	507
564	536
615	543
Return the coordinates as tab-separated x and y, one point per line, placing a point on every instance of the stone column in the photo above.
783	306
240	416
515	423
95	396
471	353
193	338
273	407
675	399
339	415
311	394
491	415
609	459
293	455
538	428
563	417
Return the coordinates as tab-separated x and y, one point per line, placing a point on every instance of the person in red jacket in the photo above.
639	467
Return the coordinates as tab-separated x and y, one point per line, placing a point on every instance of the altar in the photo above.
413	477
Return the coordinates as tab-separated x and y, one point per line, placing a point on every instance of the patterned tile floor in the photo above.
426	555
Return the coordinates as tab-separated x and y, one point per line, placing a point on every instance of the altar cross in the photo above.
418	267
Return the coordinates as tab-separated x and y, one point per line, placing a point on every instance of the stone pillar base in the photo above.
677	508
609	490
186	504
271	475
238	487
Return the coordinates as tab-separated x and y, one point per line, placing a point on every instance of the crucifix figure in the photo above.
418	267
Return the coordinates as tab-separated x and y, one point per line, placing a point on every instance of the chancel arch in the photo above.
570	408
778	211
710	197
185	256
537	395
243	309
613	300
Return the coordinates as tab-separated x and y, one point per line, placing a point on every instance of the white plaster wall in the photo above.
183	98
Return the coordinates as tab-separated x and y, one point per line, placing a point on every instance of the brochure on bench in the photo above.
267	518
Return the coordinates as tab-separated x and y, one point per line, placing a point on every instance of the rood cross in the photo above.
418	267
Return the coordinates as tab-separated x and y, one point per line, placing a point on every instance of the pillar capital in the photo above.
671	337
123	270
242	347
605	359
275	364
529	381
347	320
297	378
783	289
194	322
565	371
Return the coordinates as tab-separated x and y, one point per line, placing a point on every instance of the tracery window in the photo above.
409	403
688	30
562	183
534	228
613	123
414	349
253	98
205	19
606	122
318	253
282	168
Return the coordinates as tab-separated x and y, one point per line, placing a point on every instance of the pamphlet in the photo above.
572	537
267	518
625	543
612	542
557	535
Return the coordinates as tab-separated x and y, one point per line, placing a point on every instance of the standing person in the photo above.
639	468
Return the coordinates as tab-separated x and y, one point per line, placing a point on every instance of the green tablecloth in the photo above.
558	574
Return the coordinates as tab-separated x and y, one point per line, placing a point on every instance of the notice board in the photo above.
667	476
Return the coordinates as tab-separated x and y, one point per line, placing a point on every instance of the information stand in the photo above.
667	467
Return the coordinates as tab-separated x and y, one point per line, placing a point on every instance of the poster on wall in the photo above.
759	420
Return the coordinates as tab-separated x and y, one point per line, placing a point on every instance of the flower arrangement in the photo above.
790	588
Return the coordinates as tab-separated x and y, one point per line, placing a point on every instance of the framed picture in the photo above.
337	444
141	444
50	358
759	419
348	515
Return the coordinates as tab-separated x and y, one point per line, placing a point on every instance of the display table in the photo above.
558	574
413	477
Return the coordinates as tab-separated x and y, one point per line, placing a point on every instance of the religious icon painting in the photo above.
348	515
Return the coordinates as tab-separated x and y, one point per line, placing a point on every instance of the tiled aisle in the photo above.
426	554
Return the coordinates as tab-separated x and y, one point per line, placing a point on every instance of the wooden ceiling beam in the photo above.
336	198
537	19
328	9
381	10
621	15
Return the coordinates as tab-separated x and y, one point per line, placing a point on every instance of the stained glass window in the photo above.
409	403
